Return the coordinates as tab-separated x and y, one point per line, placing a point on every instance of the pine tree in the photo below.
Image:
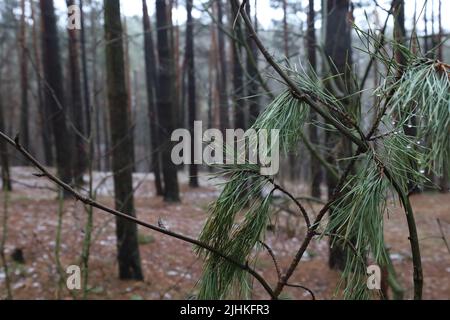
222	84
45	123
166	103
192	107
23	54
54	90
252	72
338	51
151	83
127	242
316	174
238	73
76	104
4	157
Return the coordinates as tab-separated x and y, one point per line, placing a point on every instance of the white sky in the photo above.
266	14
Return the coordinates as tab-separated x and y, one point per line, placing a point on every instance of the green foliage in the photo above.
228	231
358	214
421	99
402	156
354	279
287	114
358	224
233	235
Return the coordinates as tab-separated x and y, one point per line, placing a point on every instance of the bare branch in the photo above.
88	201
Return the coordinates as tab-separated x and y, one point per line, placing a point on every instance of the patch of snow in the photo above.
396	257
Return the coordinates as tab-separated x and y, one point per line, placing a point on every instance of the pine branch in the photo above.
363	146
295	90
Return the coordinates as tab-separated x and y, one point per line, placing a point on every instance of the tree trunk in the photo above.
4	158
222	72
440	55
76	101
54	92
150	73
86	89
238	81
190	66
426	45
166	103
316	172
128	86
444	180
96	107
285	30
399	32
252	70
23	50
339	51
46	128
122	160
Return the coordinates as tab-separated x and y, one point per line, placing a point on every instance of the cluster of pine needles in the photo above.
239	217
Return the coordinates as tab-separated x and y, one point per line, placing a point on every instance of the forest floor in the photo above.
170	267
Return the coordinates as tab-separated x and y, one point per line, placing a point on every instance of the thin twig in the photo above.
313	297
274	258
299	205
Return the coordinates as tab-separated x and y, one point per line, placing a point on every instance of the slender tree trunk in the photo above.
178	67
54	92
213	67
252	71
150	72
238	73
190	65
86	88
76	102
106	135
316	173
285	30
24	112
210	101
292	158
96	107
166	103
45	122
444	180
399	32
439	38
426	45
433	33
222	72
4	158
128	86
339	51
126	231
